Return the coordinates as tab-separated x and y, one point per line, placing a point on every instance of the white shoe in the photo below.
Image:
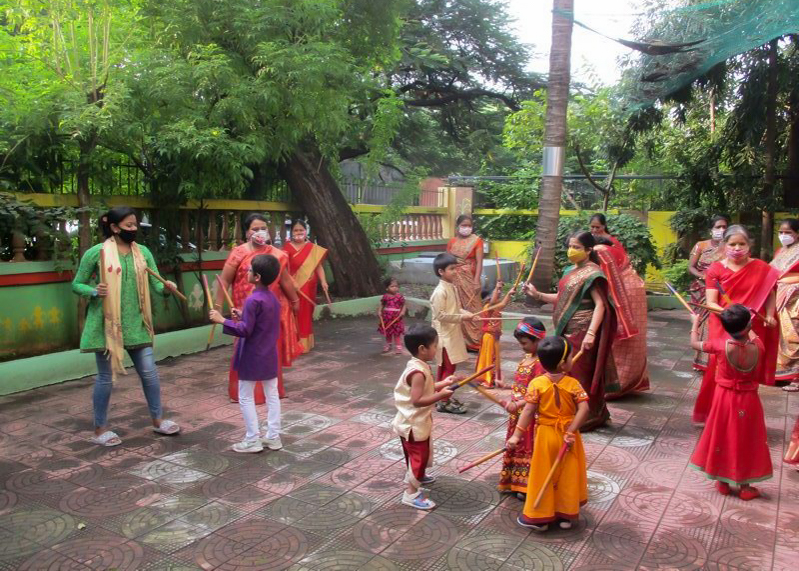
248	446
272	443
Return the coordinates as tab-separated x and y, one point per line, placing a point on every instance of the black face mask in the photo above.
128	236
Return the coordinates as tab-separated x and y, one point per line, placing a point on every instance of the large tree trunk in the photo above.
554	140
767	229
354	265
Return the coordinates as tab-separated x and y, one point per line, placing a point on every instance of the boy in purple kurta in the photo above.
256	357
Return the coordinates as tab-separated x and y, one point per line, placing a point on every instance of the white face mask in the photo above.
465	231
717	233
260	237
786	239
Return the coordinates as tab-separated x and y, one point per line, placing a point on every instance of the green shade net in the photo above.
695	36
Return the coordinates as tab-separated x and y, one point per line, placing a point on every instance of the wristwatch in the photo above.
94	293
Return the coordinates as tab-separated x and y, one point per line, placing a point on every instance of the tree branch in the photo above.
469	95
586	172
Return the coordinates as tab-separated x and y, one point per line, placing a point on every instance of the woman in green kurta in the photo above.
113	276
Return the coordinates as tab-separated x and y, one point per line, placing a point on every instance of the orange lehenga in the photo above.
465	249
708	254
288	346
303	264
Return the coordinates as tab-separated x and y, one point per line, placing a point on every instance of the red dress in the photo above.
303	264
749	286
516	463
390	308
733	447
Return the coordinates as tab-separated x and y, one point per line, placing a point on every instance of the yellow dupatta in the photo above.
306	271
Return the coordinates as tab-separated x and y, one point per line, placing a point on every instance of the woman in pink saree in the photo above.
468	248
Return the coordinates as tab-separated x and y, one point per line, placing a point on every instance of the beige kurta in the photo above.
447	316
409	417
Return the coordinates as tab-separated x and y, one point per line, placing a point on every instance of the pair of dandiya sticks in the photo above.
715	310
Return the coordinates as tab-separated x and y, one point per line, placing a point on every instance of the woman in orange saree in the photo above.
752	283
235	273
305	266
629	298
705	253
584	314
468	248
786	260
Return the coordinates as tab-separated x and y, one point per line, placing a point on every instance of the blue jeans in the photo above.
144	362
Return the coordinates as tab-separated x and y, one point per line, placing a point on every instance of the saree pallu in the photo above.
465	249
629	299
709	254
303	264
786	260
749	286
572	316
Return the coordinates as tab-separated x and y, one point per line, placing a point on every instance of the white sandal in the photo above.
107	438
167	427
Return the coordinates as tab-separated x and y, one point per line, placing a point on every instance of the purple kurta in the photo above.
256	353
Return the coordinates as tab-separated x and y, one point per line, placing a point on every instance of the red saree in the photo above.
572	315
303	264
629	299
749	286
288	347
465	249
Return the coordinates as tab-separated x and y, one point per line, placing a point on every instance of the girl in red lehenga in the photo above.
305	266
751	283
516	462
733	449
235	272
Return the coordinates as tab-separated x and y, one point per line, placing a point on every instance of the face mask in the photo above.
737	255
260	237
717	233
576	255
128	236
465	231
786	239
299	237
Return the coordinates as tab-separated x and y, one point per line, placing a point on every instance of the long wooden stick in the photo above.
545	485
382	323
577	356
532	268
327	297
485	458
499	277
210	307
166	284
723	293
706	307
224	291
470	378
679	297
497	318
485	393
306	297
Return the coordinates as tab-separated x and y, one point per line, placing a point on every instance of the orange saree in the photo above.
465	249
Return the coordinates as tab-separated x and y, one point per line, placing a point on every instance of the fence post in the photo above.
18	246
184	230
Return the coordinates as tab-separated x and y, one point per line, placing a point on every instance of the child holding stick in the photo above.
256	357
516	462
733	448
391	311
448	314
492	332
414	396
558	483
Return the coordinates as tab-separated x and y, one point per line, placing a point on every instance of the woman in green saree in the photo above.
585	316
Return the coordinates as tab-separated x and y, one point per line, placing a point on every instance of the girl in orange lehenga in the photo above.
492	333
516	462
703	255
305	266
468	248
235	272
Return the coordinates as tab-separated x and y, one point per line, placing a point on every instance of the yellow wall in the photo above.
509	249
662	236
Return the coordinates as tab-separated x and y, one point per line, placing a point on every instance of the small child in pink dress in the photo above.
391	311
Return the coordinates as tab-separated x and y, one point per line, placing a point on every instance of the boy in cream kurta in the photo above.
448	314
414	396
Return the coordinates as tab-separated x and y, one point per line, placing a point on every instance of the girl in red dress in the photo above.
516	462
733	449
752	283
391	311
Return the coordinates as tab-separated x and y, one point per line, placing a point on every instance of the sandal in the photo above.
723	488
748	493
167	427
387	348
418	501
398	350
538	528
450	407
107	438
792	388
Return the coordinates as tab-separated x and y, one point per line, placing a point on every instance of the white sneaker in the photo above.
272	443
248	446
565	524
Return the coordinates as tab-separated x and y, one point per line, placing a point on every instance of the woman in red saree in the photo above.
584	314
705	253
598	225
752	283
235	273
629	298
468	248
305	266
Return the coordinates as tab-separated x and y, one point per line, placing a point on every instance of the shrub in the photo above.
677	275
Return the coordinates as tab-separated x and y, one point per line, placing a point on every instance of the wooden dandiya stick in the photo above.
499	277
485	393
224	291
497	318
485	458
545	485
726	298
327	297
470	378
532	268
207	289
676	294
393	321
577	356
306	297
382	323
166	284
706	307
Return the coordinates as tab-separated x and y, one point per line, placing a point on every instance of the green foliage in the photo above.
677	275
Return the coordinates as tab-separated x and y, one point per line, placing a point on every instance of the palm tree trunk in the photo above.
554	140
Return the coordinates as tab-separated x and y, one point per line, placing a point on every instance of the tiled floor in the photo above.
329	500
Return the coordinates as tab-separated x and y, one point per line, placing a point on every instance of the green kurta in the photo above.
134	331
